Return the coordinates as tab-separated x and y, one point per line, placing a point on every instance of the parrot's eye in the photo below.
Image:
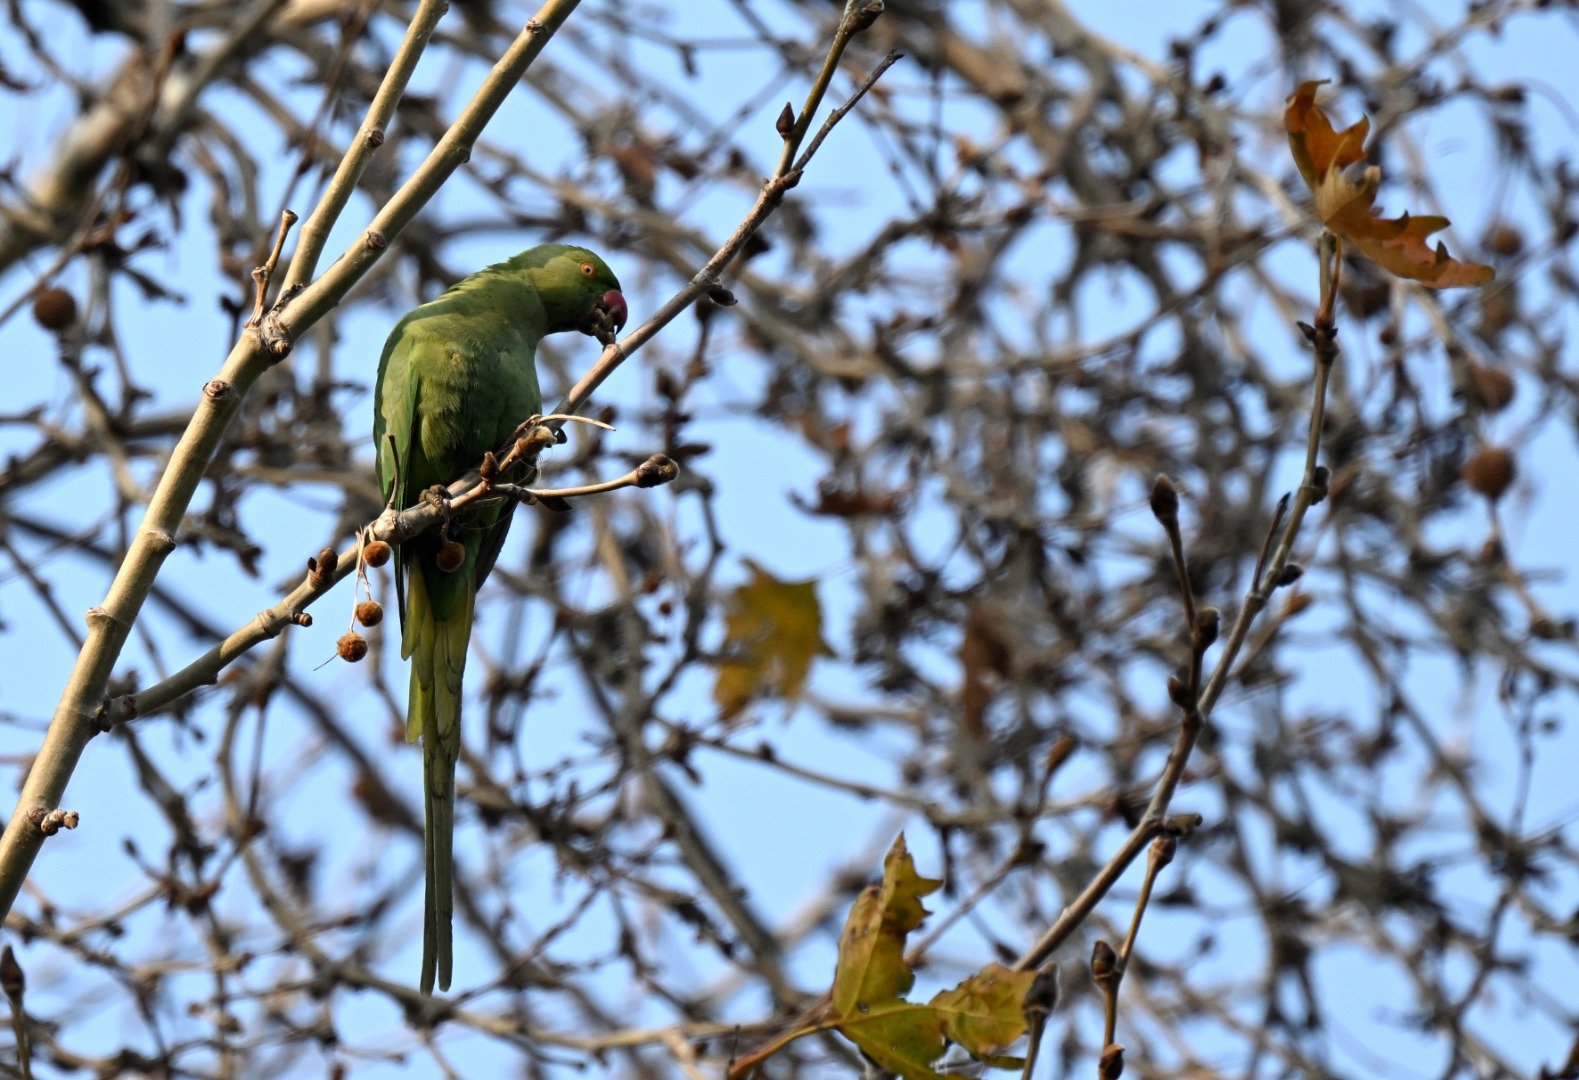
587	269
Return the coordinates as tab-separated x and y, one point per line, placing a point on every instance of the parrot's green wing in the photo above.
394	423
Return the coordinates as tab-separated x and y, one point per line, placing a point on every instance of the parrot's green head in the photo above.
578	290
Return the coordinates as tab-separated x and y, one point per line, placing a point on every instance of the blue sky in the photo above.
781	836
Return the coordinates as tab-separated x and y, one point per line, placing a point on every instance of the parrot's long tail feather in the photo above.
439	901
438	662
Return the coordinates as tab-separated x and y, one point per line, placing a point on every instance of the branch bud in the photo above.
320	570
655	471
1104	965
1208	621
1042	997
1319	485
1163	849
1165	501
50	822
12	981
865	16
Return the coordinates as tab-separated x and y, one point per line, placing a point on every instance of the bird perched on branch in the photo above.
457	377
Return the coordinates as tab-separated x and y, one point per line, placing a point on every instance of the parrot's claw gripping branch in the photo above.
439	498
601	327
530	440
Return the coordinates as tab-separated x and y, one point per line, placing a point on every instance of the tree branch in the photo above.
77	716
1312	489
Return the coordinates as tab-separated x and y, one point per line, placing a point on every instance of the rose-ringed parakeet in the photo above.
457	376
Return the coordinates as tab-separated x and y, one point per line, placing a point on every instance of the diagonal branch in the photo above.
76	717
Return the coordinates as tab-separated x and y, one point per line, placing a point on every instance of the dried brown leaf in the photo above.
1346	205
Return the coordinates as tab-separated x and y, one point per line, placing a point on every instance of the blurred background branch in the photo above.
906	578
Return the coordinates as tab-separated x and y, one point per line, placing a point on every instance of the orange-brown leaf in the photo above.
1317	147
1346	205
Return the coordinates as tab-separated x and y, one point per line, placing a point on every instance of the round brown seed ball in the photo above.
1491	472
451	555
1492	387
351	647
376	553
54	309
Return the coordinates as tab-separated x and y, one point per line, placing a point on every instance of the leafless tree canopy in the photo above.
1049	256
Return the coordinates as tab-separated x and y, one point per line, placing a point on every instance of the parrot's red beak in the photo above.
605	316
614	303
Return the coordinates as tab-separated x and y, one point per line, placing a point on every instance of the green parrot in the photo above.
457	376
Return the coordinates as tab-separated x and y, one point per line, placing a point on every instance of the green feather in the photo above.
456	377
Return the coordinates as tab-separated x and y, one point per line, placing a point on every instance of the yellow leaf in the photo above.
983	1014
871	972
1346	205
903	1038
772	632
986	1012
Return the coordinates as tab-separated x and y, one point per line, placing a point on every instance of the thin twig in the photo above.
849	103
1159	855
654	471
1323	337
1040	1001
782	180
